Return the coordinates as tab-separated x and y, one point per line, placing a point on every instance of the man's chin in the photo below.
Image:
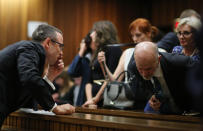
146	78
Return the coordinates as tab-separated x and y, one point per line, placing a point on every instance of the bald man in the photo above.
169	70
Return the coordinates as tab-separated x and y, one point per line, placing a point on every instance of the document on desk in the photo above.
43	112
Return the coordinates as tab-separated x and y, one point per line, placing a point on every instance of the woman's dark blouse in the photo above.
112	55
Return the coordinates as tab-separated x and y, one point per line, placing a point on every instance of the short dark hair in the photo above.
43	31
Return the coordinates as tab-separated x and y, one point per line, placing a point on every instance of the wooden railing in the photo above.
140	114
99	120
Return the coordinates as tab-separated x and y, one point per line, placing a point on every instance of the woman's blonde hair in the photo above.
192	21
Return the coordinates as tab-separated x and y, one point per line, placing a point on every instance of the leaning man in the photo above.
21	70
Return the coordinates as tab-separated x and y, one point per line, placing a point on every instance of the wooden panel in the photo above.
165	11
76	17
14	15
82	121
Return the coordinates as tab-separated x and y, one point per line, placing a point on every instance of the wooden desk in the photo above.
137	114
90	122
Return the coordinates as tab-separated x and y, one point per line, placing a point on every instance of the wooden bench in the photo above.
91	122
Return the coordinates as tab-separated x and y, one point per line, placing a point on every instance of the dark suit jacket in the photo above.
195	78
174	68
21	69
168	42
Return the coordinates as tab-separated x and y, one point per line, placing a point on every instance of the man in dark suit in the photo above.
195	77
21	70
169	41
170	71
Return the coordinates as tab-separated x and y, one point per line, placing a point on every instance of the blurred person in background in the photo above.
186	31
170	40
63	84
85	64
72	95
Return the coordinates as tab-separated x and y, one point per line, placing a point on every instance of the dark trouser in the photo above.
3	113
2	118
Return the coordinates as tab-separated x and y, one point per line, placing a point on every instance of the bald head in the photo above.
146	50
146	58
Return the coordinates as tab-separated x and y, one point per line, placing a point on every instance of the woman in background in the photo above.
186	31
85	64
63	83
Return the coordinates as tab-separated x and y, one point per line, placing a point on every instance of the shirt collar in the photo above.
158	72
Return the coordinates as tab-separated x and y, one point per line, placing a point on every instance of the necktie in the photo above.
157	90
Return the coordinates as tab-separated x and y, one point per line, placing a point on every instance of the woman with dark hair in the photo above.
86	64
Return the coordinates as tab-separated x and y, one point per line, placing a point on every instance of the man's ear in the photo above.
46	43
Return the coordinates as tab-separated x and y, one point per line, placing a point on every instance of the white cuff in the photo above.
161	50
49	82
55	105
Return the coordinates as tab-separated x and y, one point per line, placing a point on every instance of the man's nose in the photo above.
61	54
181	36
